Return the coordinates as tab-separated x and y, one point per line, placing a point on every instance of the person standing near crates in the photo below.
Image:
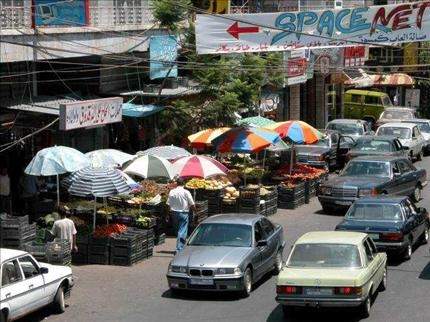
64	228
180	202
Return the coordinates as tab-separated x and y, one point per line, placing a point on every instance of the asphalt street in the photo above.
140	293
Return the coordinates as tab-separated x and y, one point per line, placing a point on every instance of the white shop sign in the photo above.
82	114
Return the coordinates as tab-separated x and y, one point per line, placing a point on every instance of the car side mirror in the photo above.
262	243
44	270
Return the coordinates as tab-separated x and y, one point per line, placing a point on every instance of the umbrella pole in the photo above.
291	158
95	214
264	158
58	190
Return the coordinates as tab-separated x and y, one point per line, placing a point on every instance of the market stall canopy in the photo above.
134	110
169	152
131	183
397	79
204	138
198	166
255	121
56	160
97	182
298	132
149	166
245	140
108	158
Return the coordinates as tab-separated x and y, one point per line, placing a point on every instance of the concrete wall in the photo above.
294	102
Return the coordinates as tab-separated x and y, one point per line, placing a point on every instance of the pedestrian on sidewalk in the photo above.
4	191
180	202
64	228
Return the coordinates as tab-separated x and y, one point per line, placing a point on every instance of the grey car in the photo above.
350	127
228	252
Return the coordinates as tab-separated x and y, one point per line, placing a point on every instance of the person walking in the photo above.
64	228
180	203
4	191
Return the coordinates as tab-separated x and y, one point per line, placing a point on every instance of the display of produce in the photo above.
109	230
300	172
253	172
231	194
208	184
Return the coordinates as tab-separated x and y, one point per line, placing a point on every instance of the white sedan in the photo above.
27	285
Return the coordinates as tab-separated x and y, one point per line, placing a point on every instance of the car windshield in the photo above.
373	145
222	235
325	255
424	127
399	132
374	212
345	128
367	169
397	115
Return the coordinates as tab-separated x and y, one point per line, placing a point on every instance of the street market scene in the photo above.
207	160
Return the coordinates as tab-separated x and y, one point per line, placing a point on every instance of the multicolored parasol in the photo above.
204	138
245	140
198	166
255	121
296	131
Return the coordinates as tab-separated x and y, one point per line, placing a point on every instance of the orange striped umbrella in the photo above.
297	131
204	138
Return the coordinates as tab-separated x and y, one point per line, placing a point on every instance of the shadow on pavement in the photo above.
425	274
312	315
39	315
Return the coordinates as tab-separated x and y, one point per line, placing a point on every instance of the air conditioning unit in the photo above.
338	4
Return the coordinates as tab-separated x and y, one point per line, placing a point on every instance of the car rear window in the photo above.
325	255
373	146
375	212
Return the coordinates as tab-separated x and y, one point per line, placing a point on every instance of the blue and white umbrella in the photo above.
108	158
56	160
169	152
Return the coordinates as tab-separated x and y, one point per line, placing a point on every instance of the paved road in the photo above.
139	293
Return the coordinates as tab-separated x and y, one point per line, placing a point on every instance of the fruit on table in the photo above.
109	230
231	193
207	184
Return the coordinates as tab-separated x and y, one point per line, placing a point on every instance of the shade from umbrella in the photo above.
108	158
56	160
169	152
198	166
245	140
97	182
149	166
296	131
258	121
204	138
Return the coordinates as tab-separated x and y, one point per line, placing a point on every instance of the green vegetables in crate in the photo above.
143	222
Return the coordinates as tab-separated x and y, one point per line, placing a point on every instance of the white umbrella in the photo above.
169	152
108	158
56	160
149	166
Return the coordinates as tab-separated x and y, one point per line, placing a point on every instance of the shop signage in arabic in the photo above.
89	113
290	30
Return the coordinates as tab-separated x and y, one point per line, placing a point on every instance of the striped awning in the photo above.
96	182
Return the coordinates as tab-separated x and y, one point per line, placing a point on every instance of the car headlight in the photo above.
367	192
178	269
325	190
229	271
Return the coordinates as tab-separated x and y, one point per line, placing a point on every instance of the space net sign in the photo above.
408	22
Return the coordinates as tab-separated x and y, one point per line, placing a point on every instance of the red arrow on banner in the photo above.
235	30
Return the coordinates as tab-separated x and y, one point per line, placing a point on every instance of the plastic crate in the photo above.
100	259
270	211
79	258
249	193
229	207
35	249
127	260
104	241
20	231
161	239
6	220
292	204
251	210
98	249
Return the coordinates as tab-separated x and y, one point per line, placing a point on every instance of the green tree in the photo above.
170	13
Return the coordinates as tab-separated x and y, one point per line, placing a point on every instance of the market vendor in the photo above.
64	228
180	202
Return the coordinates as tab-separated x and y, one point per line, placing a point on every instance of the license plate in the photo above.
196	281
374	236
318	291
342	203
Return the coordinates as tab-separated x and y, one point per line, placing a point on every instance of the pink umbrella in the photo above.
198	166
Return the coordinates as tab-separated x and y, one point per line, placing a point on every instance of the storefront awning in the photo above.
366	80
133	110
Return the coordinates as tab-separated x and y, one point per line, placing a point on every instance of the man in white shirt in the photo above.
180	202
4	191
64	228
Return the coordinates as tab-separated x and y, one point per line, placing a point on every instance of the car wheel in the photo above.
327	209
408	252
247	283
59	301
425	236
288	310
383	285
278	263
417	193
365	307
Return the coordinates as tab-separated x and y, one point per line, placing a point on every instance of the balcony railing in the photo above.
112	14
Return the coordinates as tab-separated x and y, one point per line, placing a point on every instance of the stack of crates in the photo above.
271	202
99	250
249	200
127	248
214	198
15	232
150	242
81	256
291	198
310	190
200	214
37	250
59	252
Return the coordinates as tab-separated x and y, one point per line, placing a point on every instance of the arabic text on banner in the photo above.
163	51
261	32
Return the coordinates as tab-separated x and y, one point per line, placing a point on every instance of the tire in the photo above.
59	303
417	194
327	209
383	286
247	283
288	310
278	263
425	236
407	253
3	317
365	307
420	155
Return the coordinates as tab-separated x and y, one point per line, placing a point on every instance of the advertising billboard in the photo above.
60	12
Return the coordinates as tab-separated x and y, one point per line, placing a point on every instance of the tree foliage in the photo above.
169	13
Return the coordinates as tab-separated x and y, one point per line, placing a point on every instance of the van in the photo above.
365	105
